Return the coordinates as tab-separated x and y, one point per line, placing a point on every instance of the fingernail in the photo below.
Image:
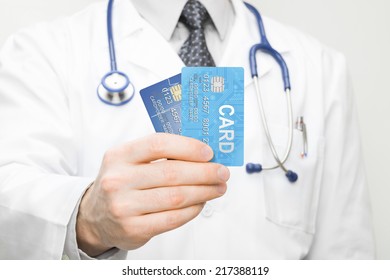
207	153
223	173
221	189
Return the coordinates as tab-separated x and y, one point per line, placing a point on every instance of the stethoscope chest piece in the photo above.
115	89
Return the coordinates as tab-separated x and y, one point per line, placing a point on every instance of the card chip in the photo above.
176	92
163	104
217	84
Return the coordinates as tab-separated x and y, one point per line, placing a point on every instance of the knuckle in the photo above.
172	220
110	156
109	184
176	198
116	211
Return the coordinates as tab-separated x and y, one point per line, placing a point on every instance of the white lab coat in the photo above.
54	132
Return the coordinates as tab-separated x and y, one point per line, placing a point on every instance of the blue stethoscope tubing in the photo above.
116	89
265	46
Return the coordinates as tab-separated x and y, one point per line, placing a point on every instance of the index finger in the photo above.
164	145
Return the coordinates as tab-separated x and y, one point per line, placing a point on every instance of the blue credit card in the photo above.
212	110
163	103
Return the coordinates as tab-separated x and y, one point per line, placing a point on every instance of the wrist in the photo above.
87	234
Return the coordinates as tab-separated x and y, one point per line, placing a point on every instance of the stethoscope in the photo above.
116	89
266	47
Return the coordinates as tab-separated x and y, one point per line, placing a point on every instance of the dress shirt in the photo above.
164	17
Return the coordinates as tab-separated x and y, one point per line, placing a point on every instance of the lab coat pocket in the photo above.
293	205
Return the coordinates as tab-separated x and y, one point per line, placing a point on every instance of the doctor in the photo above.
82	179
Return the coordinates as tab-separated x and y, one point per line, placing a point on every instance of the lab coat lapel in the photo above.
152	52
144	46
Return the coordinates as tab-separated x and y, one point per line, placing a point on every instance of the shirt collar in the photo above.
164	14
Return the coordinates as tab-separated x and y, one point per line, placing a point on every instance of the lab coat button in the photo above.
208	210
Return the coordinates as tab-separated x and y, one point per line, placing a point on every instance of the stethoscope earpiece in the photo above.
291	176
253	168
257	168
265	46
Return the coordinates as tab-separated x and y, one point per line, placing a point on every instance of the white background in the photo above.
358	28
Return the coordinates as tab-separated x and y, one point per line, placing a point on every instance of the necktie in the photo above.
194	51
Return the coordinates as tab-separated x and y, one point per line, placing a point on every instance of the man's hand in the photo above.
139	194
